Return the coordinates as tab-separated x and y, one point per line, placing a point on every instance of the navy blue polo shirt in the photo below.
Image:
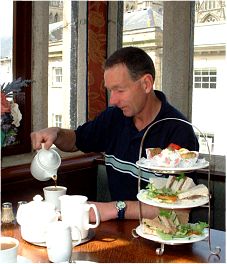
116	135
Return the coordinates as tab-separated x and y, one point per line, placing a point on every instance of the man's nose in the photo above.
113	99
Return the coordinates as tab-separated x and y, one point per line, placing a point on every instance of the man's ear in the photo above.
148	82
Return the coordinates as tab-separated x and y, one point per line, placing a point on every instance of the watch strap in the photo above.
121	206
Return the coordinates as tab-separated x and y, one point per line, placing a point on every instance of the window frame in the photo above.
21	67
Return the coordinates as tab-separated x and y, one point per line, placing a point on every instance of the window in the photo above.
204	140
56	120
19	65
81	26
209	78
205	78
143	27
57	76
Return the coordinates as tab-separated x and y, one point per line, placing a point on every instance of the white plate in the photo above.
185	203
144	163
176	241
22	259
91	234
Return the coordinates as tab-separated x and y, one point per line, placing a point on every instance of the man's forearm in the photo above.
66	140
132	210
108	210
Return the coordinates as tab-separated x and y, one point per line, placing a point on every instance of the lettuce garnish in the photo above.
184	231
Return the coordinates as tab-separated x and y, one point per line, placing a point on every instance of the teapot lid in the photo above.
49	159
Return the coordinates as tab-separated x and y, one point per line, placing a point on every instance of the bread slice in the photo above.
188	184
158	182
151	225
179	185
198	190
170	181
182	216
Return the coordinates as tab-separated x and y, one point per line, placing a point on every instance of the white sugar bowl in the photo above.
34	218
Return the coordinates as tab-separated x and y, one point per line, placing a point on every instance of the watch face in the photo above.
121	205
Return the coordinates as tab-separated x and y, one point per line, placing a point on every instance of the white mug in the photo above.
52	194
59	242
75	213
8	250
45	164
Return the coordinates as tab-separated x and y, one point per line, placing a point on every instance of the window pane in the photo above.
6	36
205	85
205	79
59	64
210	64
197	85
213	85
143	27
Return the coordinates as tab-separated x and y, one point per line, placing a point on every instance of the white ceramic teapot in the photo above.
34	218
45	164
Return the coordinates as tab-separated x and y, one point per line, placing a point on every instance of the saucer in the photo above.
22	259
91	234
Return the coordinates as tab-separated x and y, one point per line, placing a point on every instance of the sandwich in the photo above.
179	183
175	188
194	192
170	224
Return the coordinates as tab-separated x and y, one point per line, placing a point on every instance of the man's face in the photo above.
128	95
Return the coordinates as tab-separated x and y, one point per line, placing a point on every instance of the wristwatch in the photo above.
121	206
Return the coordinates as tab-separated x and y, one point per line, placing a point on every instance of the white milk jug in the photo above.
75	213
45	164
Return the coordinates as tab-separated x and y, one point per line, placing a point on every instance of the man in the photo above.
129	76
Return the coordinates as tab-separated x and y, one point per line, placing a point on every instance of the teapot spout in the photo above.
51	175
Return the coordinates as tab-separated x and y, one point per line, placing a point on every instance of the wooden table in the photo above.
113	242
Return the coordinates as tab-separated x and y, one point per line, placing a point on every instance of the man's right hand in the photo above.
46	136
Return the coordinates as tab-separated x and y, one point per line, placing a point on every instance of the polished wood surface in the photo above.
113	242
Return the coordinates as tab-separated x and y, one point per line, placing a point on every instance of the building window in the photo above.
205	78
57	120
204	140
57	76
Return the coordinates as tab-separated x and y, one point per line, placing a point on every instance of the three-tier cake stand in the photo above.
205	201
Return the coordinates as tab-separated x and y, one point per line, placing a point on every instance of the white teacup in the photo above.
52	194
45	164
75	213
8	249
59	242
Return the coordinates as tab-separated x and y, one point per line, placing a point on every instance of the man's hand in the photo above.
46	136
64	139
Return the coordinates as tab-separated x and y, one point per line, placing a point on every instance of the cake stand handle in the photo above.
160	251
134	233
